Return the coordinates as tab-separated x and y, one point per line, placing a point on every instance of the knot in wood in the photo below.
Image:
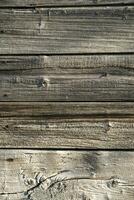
42	82
113	183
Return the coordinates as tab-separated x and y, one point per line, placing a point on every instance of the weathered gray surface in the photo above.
67	132
60	175
34	3
67	88
67	125
67	78
68	65
72	96
67	30
72	109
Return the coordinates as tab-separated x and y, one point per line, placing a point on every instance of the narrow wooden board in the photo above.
67	88
67	78
36	3
67	132
68	65
67	30
72	109
66	175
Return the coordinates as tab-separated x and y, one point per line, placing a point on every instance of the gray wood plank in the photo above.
67	132
59	109
69	175
67	88
67	125
67	78
68	65
35	3
67	30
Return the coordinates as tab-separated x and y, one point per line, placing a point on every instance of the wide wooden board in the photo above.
67	88
47	127
67	30
117	64
35	3
67	78
66	175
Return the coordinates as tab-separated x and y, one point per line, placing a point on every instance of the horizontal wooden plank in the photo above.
36	3
67	78
67	30
59	109
44	3
68	65
67	88
67	132
67	125
66	175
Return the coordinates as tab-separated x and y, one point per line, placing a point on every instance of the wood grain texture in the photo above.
66	175
88	48
35	3
70	88
67	78
67	132
67	30
68	65
67	125
72	109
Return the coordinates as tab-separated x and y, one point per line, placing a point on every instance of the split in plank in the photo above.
67	30
69	175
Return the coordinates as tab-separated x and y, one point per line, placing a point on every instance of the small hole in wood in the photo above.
5	95
10	159
2	31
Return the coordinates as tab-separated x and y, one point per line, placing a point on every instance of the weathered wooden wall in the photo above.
66	99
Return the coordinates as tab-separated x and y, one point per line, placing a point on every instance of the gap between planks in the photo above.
67	6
